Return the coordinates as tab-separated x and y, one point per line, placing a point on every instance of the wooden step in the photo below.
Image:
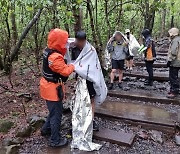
157	76
144	96
137	112
120	137
162	54
156	65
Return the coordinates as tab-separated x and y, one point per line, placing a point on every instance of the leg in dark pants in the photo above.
149	67
53	121
174	81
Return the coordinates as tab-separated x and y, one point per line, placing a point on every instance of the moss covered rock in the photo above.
5	125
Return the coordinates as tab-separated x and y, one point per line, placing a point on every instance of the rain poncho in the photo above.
88	67
133	45
109	55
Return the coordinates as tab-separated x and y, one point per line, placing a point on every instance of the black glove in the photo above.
168	63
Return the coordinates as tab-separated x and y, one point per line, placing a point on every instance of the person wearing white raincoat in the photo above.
90	89
133	47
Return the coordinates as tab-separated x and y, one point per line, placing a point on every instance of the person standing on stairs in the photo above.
75	49
133	47
174	62
149	55
117	46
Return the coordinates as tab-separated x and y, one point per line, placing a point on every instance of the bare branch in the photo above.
118	5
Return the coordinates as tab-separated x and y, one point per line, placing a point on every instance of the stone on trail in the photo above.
25	132
156	136
12	141
143	134
5	125
13	149
177	139
36	122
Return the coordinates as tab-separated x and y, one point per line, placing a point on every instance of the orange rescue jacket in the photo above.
57	40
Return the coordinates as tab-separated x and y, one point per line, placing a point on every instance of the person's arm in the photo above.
110	47
58	65
173	50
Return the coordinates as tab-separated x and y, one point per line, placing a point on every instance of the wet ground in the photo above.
38	145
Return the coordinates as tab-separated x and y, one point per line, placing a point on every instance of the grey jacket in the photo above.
118	51
174	52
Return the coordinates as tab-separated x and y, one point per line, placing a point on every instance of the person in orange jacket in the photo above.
55	72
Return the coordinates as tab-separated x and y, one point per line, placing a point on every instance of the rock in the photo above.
156	136
126	88
12	141
126	78
13	149
36	122
177	139
25	132
143	134
2	150
142	86
5	125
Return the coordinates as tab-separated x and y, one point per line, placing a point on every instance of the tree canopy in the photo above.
32	20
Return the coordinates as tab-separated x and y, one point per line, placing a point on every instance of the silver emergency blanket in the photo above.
88	67
82	125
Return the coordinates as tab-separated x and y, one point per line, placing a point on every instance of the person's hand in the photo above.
168	63
111	39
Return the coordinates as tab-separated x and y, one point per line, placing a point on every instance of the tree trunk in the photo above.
78	15
163	22
55	20
149	16
13	22
92	25
107	19
15	49
172	21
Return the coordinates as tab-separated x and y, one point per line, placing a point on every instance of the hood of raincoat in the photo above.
173	32
57	40
146	33
118	32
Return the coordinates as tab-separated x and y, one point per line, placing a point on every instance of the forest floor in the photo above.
20	102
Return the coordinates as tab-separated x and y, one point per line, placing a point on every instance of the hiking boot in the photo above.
62	143
120	85
111	86
95	126
171	95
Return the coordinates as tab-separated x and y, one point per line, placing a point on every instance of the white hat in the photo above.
173	32
127	31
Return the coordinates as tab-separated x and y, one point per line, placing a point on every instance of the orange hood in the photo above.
57	40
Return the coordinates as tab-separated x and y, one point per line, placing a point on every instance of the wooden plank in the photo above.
156	65
148	97
157	76
137	112
120	137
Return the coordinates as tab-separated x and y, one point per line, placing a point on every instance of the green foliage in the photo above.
60	14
